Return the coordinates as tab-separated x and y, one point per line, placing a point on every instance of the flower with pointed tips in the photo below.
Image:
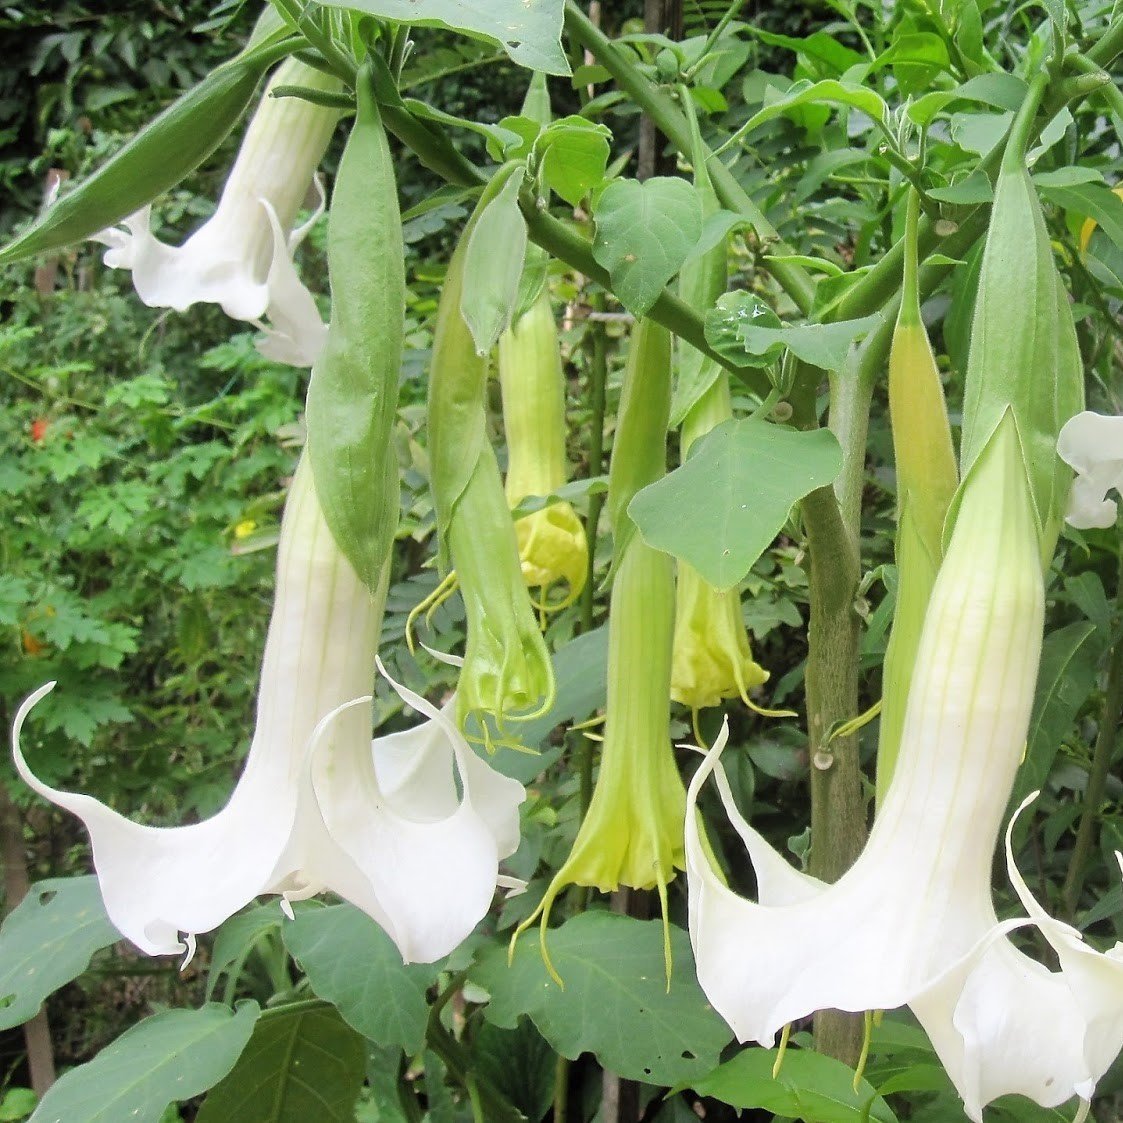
913	921
411	830
1092	444
242	257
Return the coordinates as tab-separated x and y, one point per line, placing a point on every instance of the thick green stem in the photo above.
1110	44
1097	778
838	816
661	108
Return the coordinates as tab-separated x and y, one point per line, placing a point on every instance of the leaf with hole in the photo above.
47	941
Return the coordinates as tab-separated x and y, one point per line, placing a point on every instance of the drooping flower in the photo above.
632	832
242	257
552	546
315	808
913	921
1092	444
712	658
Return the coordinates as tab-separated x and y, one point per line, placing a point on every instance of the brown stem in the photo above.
37	1031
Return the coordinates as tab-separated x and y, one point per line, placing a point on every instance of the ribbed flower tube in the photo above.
632	832
552	546
926	482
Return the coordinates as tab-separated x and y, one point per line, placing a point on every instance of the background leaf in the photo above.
809	1086
529	33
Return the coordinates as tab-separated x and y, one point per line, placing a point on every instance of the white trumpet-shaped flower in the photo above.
242	257
411	830
913	921
1092	444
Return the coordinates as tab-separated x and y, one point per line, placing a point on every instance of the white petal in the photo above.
295	333
1092	444
157	883
432	869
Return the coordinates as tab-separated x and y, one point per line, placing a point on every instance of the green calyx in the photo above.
353	394
1024	357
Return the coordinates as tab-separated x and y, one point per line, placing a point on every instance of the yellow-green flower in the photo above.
552	546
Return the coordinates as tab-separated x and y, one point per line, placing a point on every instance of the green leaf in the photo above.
574	153
47	940
301	1064
720	510
494	262
743	328
167	1058
615	1003
566	493
644	233
973	188
236	938
530	33
352	963
826	92
809	1086
917	59
1093	200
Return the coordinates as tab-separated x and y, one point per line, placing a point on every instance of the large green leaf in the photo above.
615	1002
166	1058
47	940
644	232
352	963
809	1086
723	507
519	1064
301	1064
528	30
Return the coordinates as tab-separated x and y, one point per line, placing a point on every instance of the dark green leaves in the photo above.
615	1002
47	941
302	1063
644	232
351	962
529	32
723	507
166	1058
353	395
809	1086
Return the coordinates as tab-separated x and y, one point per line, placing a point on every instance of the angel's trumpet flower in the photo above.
552	545
242	257
912	921
411	832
